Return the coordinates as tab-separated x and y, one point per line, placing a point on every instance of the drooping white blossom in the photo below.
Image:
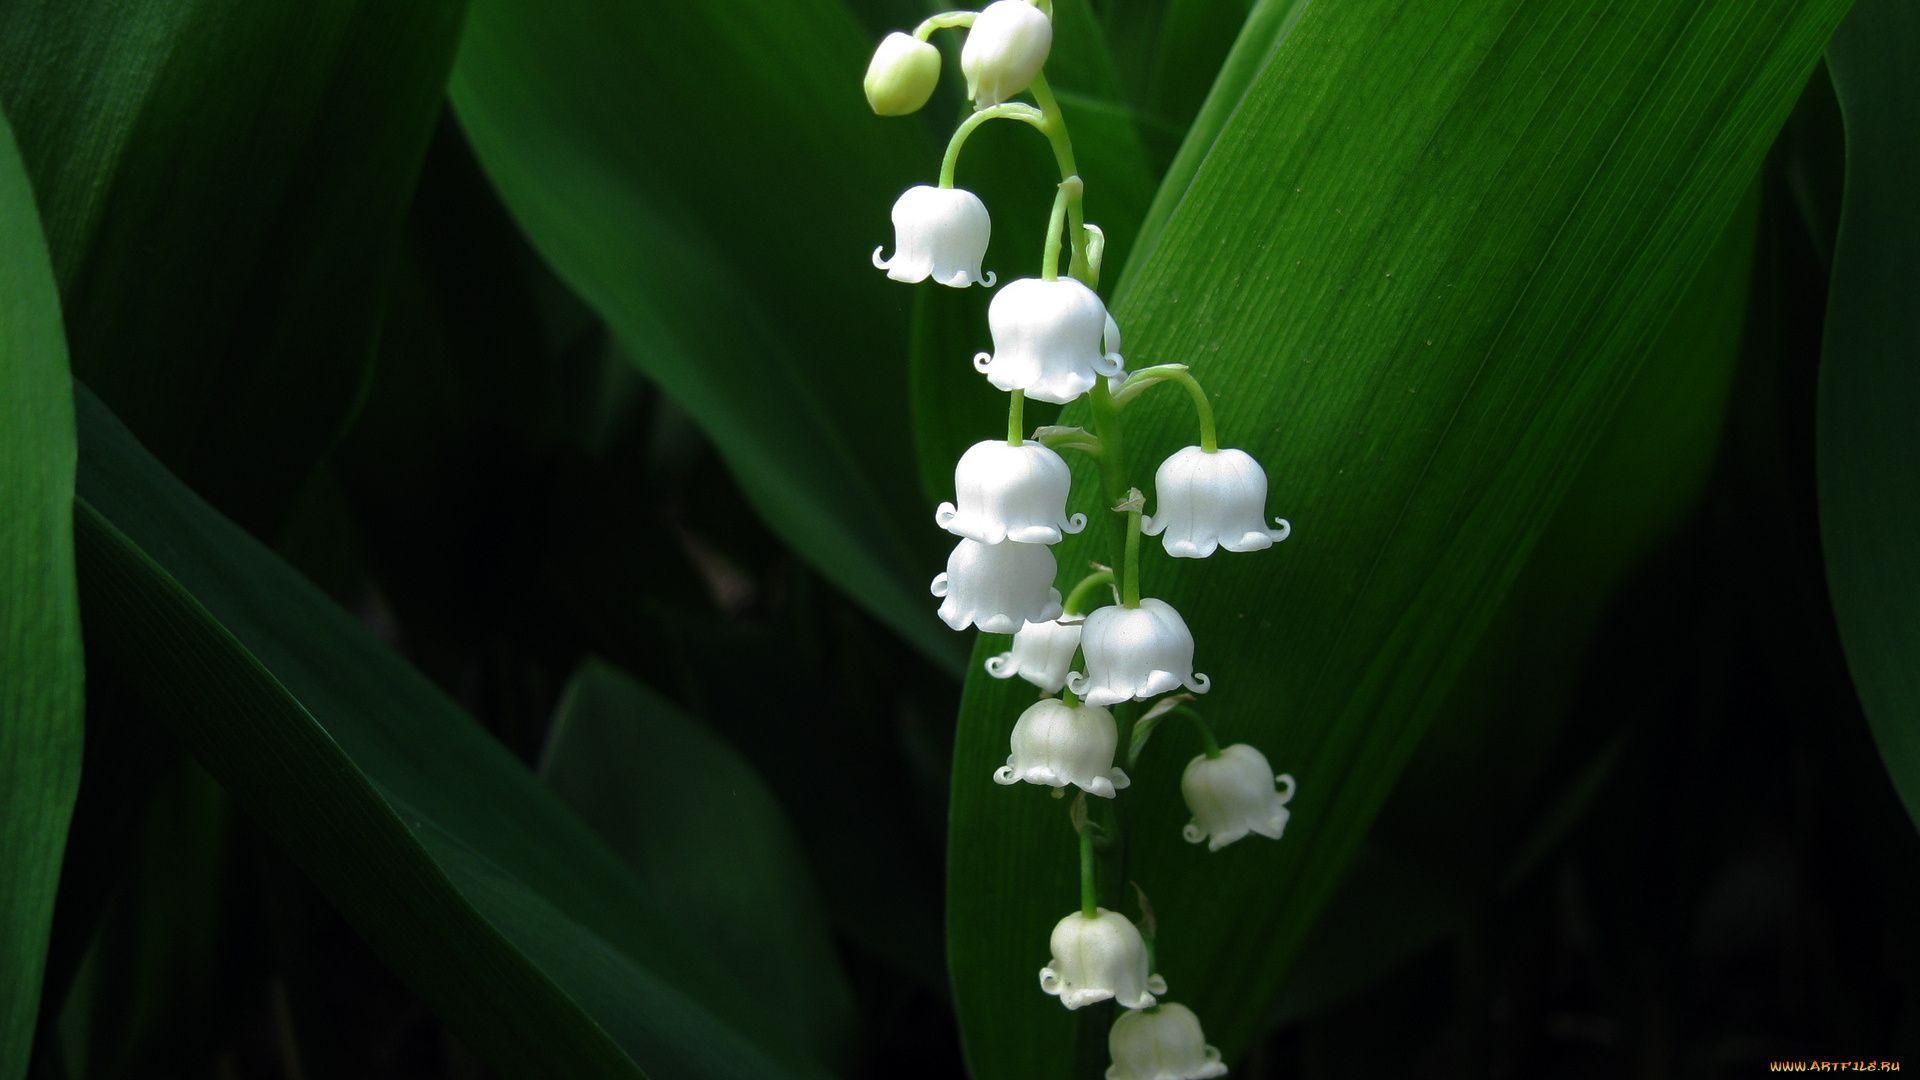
997	587
1042	654
938	233
902	75
1234	794
1047	339
1207	500
1016	493
1135	653
1005	49
1099	957
1161	1043
1056	744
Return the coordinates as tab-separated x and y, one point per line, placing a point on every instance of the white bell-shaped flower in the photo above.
902	74
1234	794
1016	493
997	587
1005	49
1099	957
1136	653
1047	338
1042	654
1057	744
1211	500
938	233
1161	1043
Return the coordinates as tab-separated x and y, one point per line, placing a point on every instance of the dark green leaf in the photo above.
1418	269
533	942
688	171
40	666
695	821
1869	464
223	182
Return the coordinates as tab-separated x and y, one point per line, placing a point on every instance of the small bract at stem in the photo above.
1141	381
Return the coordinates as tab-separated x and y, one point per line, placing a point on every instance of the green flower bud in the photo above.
902	75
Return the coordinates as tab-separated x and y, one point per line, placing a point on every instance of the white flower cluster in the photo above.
1055	341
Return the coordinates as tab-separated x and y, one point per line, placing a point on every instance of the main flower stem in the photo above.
1016	423
1089	891
1130	589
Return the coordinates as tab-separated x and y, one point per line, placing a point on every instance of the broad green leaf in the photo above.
1418	268
694	820
535	944
688	170
222	184
1441	846
40	663
1264	32
1869	462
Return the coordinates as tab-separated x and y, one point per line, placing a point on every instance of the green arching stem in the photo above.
1076	601
1089	891
1130	588
1139	382
1016	425
946	20
1012	110
1208	744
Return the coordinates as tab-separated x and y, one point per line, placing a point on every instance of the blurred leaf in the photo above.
1869	463
695	822
222	183
687	170
530	939
1418	268
41	680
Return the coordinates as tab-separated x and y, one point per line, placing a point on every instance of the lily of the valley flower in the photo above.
1047	339
938	233
1005	49
1057	744
1042	654
1016	493
1161	1043
1096	957
997	587
902	75
1208	500
1136	653
1234	794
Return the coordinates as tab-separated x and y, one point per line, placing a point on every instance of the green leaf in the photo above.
1870	384
688	815
687	171
41	681
222	184
536	945
1418	268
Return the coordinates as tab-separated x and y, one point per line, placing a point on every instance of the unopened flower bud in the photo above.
902	75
